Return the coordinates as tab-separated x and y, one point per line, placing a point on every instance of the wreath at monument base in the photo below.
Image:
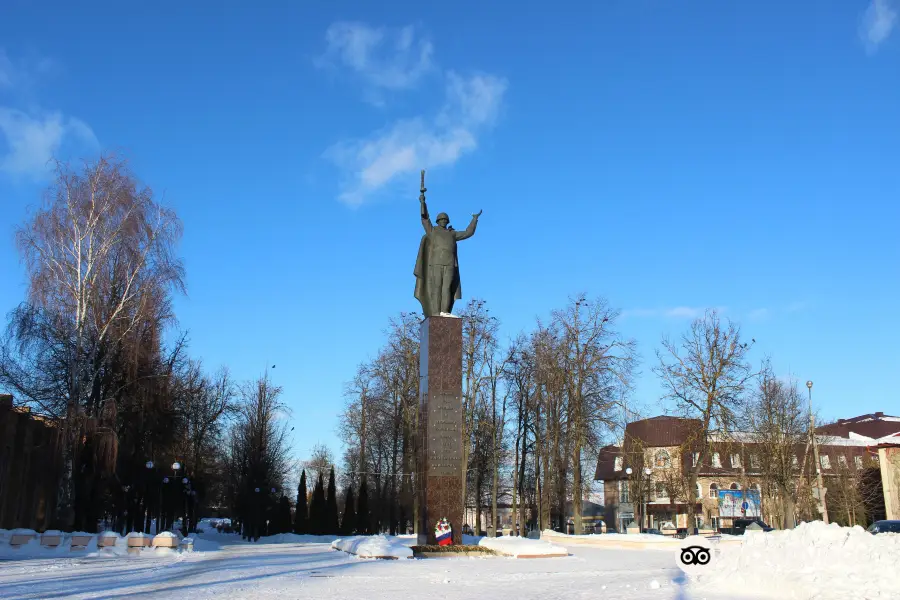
443	533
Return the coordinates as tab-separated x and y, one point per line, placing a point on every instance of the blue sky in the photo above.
668	156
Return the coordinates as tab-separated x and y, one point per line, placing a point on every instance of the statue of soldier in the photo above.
437	268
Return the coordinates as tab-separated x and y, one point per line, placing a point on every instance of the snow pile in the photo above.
53	532
167	534
517	546
813	560
373	546
294	538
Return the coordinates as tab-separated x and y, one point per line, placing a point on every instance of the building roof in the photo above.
875	425
661	431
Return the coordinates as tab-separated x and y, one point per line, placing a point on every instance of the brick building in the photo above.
662	445
29	465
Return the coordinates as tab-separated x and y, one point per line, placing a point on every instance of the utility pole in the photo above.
815	445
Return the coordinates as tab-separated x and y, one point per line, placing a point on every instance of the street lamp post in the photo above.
147	504
165	521
185	497
173	496
815	445
124	525
647	472
256	517
629	471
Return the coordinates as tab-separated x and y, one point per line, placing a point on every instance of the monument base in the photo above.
440	466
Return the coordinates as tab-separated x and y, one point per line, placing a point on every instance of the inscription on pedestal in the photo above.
440	431
444	435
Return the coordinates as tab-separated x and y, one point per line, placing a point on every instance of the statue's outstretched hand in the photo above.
475	216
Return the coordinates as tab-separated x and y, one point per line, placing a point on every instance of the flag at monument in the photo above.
443	533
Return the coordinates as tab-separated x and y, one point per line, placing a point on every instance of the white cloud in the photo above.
878	21
30	138
384	58
469	108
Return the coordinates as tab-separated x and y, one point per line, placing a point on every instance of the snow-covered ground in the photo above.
815	561
517	546
299	570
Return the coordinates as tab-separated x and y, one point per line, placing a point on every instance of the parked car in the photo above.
740	526
653	531
887	526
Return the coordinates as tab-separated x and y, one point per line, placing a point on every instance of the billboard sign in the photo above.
739	504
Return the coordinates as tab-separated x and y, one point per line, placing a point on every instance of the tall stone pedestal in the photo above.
440	468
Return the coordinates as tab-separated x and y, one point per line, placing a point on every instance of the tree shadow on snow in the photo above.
164	578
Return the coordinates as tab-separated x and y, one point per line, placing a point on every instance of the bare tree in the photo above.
259	453
479	343
320	461
706	377
100	260
777	422
598	364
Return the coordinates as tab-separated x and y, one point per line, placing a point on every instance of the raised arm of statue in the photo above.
423	208
470	230
426	220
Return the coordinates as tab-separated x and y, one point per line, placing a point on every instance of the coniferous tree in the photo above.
362	509
301	516
284	515
317	509
348	519
331	507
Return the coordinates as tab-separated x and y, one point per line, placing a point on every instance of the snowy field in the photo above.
783	565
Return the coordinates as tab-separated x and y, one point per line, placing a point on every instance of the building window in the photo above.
857	460
624	492
754	461
754	487
735	461
713	490
699	492
716	461
618	464
661	490
662	460
825	460
735	485
695	456
842	461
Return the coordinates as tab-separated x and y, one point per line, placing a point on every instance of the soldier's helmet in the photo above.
442	216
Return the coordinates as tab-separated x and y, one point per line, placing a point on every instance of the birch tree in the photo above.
99	253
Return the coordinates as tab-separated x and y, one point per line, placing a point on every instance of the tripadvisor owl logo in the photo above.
696	557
